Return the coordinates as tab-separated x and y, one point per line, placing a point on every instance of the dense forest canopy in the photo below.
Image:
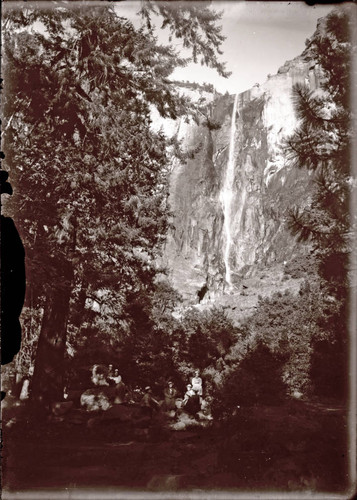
90	172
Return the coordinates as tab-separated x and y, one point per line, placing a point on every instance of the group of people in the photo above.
103	376
109	377
191	402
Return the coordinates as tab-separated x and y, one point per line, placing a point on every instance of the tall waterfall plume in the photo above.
226	195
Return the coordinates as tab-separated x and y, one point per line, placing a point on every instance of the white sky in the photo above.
261	36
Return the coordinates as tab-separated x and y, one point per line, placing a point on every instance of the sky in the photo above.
260	37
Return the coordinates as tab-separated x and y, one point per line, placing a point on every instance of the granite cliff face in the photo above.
229	202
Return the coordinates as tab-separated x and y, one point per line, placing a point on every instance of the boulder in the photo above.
97	398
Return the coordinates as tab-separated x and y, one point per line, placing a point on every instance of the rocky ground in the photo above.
242	300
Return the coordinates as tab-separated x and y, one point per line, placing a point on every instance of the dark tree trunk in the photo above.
47	383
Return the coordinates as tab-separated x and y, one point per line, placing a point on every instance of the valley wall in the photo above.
264	186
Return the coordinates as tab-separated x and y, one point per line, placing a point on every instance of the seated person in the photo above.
191	402
115	377
99	375
188	394
120	393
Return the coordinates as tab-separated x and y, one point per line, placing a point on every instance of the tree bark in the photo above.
47	383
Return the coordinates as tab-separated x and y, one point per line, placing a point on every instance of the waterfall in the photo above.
227	194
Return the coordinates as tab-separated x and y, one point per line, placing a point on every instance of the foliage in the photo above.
161	346
256	381
89	171
300	343
295	325
110	185
195	24
302	266
208	336
289	347
322	143
207	87
145	350
153	345
134	339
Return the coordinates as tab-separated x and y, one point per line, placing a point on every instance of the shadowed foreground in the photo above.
295	447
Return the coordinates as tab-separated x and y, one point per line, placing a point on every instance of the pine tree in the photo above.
322	143
91	175
196	24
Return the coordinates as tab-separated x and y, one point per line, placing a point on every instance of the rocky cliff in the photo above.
229	203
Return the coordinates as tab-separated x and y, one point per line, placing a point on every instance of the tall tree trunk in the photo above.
47	384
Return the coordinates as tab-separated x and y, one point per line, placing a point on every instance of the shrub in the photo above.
208	335
301	266
257	380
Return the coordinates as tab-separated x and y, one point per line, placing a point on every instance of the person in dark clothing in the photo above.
191	401
148	402
13	282
170	397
